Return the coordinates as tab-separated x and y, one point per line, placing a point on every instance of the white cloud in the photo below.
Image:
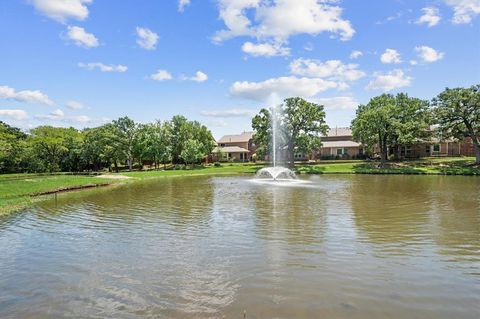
265	49
389	81
464	10
217	123
428	54
355	54
81	37
161	75
61	10
413	62
431	16
59	116
278	20
390	56
147	39
104	67
283	87
333	69
338	103
230	113
14	114
198	77
24	96
74	105
182	4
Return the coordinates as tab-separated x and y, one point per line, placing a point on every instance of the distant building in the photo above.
237	148
339	143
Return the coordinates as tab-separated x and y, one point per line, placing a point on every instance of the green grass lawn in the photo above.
436	166
18	191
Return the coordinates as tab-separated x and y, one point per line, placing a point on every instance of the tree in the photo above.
192	152
12	147
262	125
301	125
183	131
457	111
51	146
125	138
390	121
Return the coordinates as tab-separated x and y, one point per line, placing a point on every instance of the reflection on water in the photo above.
208	247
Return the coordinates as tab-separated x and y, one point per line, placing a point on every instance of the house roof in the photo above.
231	149
339	131
244	137
340	144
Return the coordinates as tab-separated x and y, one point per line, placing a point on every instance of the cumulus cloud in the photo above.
464	10
230	113
103	67
431	16
161	75
182	4
59	116
81	37
28	96
62	10
217	123
13	114
391	56
389	81
355	54
146	38
428	54
333	69
74	105
265	49
278	20
198	77
337	103
283	87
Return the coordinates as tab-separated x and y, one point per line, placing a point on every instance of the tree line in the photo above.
386	121
121	143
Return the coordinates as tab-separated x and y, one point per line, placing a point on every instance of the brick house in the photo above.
237	148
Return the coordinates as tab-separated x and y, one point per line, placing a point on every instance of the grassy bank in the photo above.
18	191
431	166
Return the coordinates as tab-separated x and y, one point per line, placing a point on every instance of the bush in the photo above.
217	164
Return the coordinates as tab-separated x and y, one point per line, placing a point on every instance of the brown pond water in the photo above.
212	247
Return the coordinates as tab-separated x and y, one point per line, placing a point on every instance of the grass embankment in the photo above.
431	166
18	191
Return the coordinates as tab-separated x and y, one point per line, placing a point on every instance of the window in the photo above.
427	148
340	151
436	148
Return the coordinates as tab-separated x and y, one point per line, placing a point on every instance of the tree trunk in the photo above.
383	152
130	161
291	155
476	148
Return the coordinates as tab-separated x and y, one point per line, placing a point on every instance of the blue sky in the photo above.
84	62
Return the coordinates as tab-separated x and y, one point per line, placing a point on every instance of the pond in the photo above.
352	246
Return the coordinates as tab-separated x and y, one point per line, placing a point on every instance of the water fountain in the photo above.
275	173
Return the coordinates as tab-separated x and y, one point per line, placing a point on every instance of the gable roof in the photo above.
244	137
339	131
230	149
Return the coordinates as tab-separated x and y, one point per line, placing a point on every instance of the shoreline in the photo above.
20	191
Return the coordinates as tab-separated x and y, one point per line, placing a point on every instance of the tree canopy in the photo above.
457	111
389	122
300	127
119	143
